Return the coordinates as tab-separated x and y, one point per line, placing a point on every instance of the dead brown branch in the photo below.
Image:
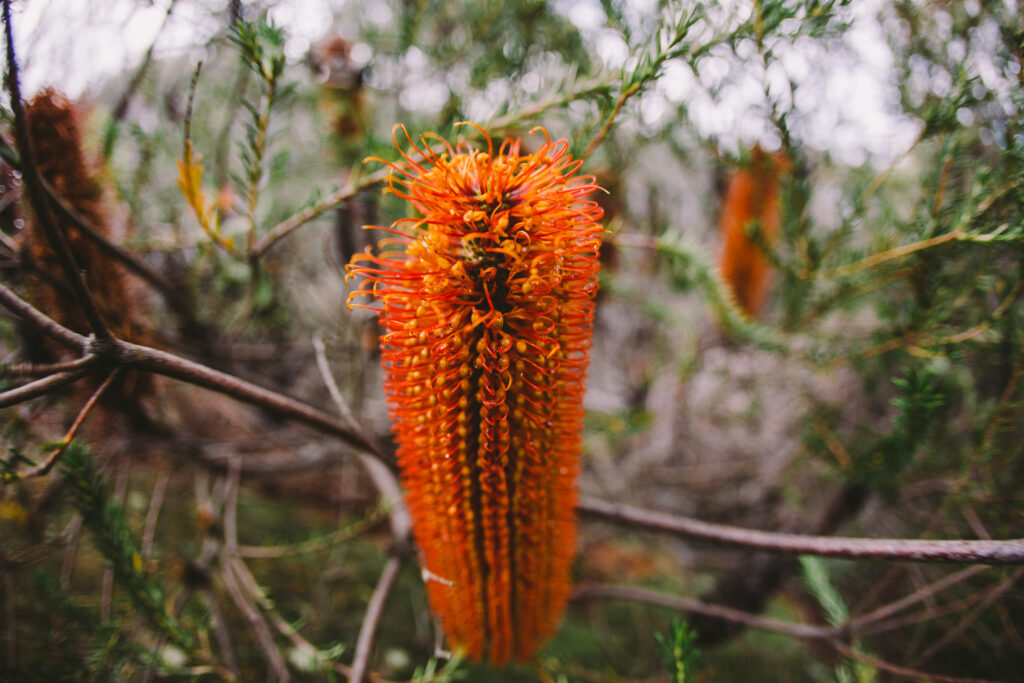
373	613
963	552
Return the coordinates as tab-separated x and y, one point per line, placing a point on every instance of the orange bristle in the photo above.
752	194
487	300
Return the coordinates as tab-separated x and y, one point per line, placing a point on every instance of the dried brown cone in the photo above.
55	128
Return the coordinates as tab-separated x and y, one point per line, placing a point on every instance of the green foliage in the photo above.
919	405
450	671
679	652
816	578
261	45
105	521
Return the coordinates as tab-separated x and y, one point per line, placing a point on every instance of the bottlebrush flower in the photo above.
487	303
752	194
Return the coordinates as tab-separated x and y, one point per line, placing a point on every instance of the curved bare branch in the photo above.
914	550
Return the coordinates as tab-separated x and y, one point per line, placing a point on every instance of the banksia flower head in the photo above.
487	304
752	194
55	126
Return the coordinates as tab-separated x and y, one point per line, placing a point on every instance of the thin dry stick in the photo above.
373	613
161	362
74	534
965	552
36	194
122	103
231	505
255	620
234	581
132	263
386	483
312	545
956	632
930	613
295	221
332	385
41	386
47	465
156	501
248	584
48	326
910	674
107	587
12	621
221	632
807	631
31	369
917	596
169	365
302	645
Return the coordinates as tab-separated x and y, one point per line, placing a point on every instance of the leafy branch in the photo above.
679	651
105	521
667	43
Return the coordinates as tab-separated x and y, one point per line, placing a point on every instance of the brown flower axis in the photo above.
487	303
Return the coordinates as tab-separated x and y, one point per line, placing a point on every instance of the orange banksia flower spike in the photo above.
752	194
487	300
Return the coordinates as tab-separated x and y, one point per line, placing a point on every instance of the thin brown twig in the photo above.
231	505
41	386
383	479
265	552
256	622
37	198
969	619
332	386
163	363
964	552
107	585
73	531
374	610
156	501
170	365
610	121
633	593
30	369
48	326
917	596
246	597
806	631
910	674
929	613
133	85
11	620
297	220
302	646
47	465
132	263
221	632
